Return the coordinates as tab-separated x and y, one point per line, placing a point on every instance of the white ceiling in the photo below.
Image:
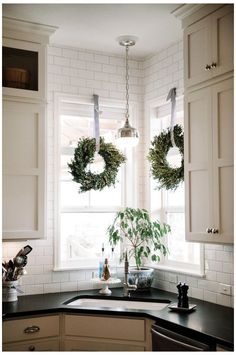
96	26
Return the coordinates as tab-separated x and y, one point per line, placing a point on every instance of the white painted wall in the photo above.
75	71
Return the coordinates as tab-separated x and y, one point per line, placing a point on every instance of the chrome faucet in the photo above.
127	287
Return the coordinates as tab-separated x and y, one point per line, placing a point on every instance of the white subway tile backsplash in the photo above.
33	289
51	288
196	293
61	61
223	277
79	64
101	58
111	69
86	56
54	51
69	286
60	276
68	53
223	300
209	296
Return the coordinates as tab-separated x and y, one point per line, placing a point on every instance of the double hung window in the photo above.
168	206
83	218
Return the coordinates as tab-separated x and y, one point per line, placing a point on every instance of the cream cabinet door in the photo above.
197	52
198	164
209	164
208	47
223	162
23	170
223	40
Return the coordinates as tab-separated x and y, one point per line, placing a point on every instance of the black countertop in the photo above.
209	322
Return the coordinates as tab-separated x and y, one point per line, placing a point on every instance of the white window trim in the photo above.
129	193
150	107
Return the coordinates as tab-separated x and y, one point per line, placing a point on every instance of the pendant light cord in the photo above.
127	83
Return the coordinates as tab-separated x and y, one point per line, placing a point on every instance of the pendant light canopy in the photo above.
127	136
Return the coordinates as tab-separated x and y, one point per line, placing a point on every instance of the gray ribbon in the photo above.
172	96
96	122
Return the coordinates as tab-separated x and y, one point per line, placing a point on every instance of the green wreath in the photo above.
84	155
168	177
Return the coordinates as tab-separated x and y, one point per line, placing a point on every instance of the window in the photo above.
168	206
83	218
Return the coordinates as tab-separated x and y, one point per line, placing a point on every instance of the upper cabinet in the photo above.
208	122
208	47
23	69
23	122
24	58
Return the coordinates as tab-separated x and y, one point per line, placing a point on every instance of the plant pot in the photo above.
142	278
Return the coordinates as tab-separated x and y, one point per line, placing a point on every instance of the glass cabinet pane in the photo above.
20	68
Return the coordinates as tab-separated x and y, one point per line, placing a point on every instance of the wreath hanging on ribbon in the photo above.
168	177
84	155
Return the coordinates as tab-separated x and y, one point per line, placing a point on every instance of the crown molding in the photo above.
25	30
190	13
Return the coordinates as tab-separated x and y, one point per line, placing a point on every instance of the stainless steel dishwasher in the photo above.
166	340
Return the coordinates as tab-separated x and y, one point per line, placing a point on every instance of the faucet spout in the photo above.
127	287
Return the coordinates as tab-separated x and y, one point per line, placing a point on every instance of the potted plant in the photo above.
142	239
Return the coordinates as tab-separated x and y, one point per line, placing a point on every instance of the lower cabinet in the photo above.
75	332
32	334
105	333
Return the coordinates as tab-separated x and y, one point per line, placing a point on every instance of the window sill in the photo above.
178	270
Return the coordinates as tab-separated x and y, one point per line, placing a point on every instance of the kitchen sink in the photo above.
117	303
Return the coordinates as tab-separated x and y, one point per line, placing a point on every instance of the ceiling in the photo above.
96	26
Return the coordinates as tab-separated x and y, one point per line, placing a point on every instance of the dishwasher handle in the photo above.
166	340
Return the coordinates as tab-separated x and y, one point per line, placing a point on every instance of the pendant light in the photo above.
127	136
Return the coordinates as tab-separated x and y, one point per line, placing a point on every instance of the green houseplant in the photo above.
141	238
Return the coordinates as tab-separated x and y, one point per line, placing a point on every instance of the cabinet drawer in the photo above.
99	345
30	328
102	327
38	345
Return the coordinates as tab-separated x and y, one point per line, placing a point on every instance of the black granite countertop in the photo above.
209	322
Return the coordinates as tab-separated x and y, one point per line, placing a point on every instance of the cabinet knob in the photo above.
32	329
31	348
213	65
215	231
207	67
209	230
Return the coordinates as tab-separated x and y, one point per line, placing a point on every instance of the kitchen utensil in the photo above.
24	251
19	272
10	270
19	261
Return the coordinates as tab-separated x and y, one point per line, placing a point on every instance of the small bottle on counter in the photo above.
113	266
106	271
101	262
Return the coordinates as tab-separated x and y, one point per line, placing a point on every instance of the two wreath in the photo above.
168	177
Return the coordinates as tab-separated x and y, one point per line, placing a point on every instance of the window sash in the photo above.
115	111
154	108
